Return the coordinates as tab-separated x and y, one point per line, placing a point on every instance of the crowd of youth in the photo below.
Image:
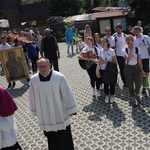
131	54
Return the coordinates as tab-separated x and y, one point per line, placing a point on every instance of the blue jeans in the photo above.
70	43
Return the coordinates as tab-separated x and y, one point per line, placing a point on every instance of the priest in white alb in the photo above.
53	102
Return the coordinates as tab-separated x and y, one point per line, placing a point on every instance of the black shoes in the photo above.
125	85
14	84
11	85
143	91
134	102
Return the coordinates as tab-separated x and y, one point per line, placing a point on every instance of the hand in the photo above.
104	62
58	56
87	59
143	73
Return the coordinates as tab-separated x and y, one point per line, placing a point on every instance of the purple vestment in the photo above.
7	104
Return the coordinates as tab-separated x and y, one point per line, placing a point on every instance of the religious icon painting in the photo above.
14	64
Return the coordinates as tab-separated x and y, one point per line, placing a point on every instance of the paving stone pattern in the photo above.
97	126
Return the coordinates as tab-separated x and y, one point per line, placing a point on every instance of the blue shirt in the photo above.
69	35
31	50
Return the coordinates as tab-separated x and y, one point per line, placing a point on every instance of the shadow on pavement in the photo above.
112	112
141	118
18	92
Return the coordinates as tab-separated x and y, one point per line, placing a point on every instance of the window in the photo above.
103	24
120	20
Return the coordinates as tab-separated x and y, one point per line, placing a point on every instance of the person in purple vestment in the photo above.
8	135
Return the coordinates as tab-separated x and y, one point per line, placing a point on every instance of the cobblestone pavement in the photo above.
97	126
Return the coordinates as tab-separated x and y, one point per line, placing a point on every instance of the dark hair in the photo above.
3	37
106	39
119	26
16	40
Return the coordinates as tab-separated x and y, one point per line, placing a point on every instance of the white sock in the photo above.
98	93
93	91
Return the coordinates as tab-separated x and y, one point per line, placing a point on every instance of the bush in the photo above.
147	29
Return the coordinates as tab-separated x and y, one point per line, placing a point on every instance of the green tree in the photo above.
142	11
141	8
65	7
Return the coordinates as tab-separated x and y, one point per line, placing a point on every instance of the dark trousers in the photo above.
15	147
132	74
54	62
60	140
109	89
121	63
93	79
33	62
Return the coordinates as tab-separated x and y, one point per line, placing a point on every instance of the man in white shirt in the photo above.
132	69
120	44
4	44
142	41
110	38
52	101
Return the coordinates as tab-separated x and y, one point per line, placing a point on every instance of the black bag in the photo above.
109	75
85	64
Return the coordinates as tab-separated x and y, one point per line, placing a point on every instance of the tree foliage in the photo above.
141	8
142	11
65	7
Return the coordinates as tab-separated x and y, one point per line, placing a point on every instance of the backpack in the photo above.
146	41
115	36
136	51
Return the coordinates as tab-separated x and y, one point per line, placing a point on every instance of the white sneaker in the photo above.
98	94
107	99
112	100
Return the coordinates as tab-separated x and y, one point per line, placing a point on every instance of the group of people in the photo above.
33	45
50	97
73	37
129	52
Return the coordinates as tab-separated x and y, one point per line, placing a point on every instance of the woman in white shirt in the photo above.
106	55
94	80
132	69
87	33
97	40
